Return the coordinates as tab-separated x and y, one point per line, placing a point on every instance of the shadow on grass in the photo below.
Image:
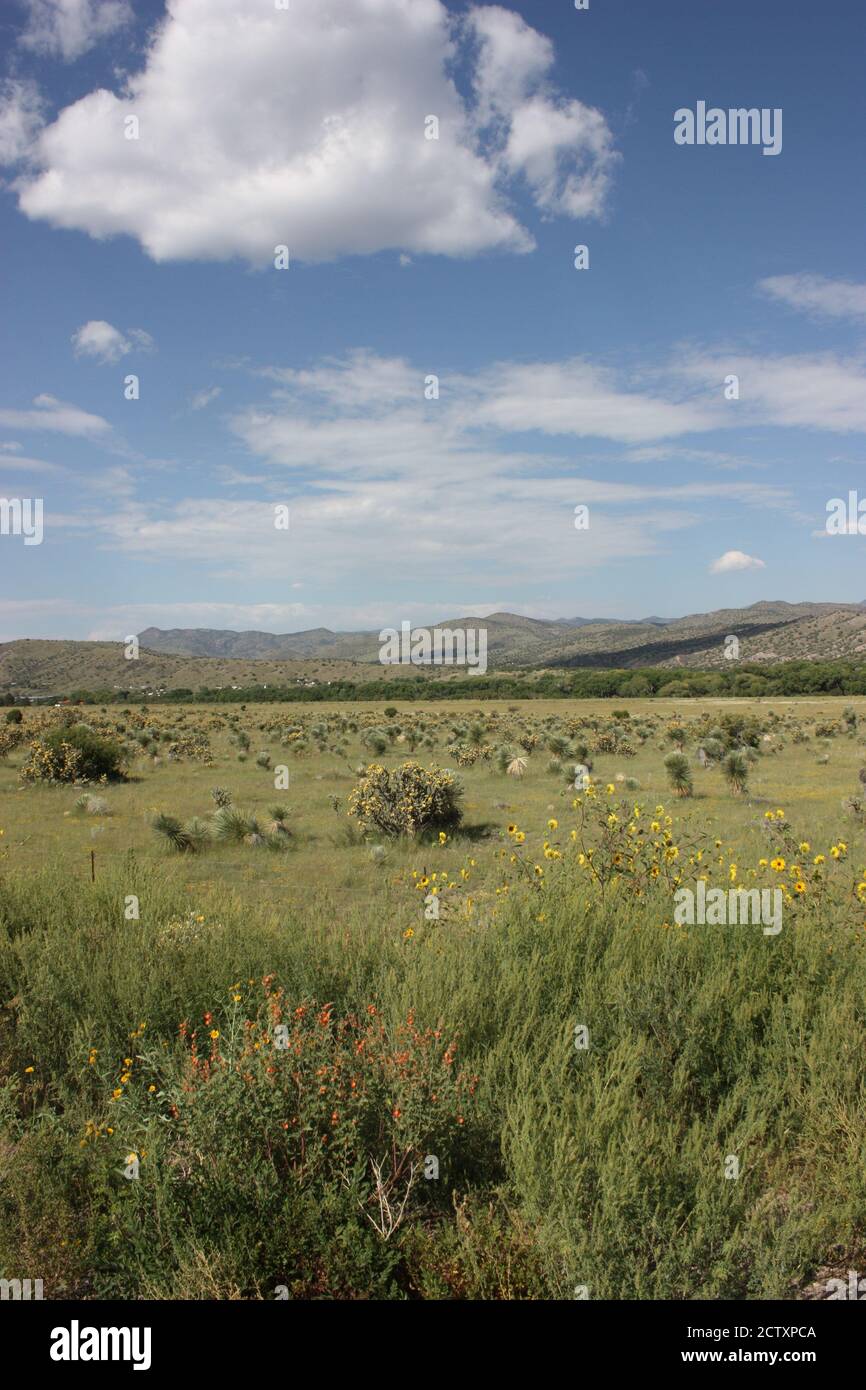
484	830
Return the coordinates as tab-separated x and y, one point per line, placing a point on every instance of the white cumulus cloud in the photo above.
106	344
305	127
733	560
562	148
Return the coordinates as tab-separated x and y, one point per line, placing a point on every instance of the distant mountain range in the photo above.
513	640
769	631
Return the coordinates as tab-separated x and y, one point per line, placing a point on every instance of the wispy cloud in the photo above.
203	398
69	28
822	391
56	416
818	295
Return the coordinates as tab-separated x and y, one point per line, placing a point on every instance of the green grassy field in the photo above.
40	821
411	1038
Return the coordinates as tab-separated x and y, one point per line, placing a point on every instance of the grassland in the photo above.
558	1168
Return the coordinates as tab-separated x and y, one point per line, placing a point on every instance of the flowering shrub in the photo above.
406	800
296	1095
821	883
615	841
10	737
613	741
330	1090
72	754
465	755
195	747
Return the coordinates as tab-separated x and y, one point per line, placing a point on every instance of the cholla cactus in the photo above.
10	737
406	800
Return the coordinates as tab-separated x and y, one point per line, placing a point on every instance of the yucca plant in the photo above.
505	754
279	816
714	749
198	834
173	831
736	770
255	835
679	773
230	825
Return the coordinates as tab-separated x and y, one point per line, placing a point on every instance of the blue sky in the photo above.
411	257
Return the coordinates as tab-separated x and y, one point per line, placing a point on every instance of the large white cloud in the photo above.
306	127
